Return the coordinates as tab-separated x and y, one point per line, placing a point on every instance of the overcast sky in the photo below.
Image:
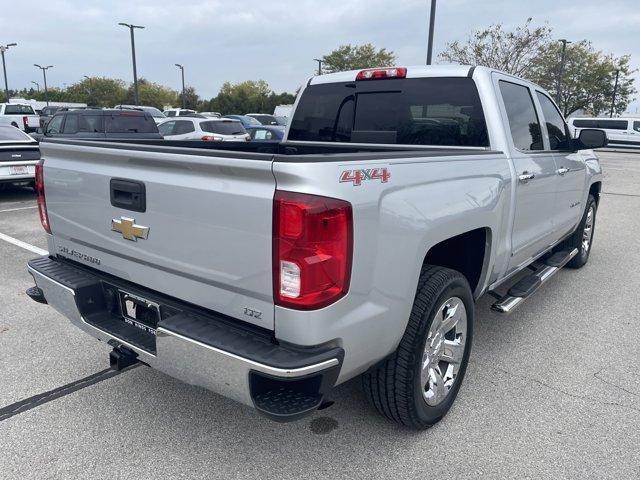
273	40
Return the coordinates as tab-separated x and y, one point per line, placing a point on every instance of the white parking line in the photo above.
21	244
19	208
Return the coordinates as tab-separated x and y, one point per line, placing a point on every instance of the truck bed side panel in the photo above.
209	220
425	200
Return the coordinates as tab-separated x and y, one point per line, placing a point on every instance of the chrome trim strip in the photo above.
279	372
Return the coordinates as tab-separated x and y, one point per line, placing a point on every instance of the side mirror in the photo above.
591	138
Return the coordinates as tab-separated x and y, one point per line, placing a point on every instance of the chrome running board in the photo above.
510	302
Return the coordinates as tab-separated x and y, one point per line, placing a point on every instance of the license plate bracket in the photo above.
139	312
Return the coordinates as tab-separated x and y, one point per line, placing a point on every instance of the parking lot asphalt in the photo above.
552	391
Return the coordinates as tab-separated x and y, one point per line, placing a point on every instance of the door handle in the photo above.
526	176
562	171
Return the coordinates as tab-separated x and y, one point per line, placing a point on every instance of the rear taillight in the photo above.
380	73
25	122
211	138
312	250
42	203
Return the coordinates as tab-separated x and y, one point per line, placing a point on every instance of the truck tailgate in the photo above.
208	216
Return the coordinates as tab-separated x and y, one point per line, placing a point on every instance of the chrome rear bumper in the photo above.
225	371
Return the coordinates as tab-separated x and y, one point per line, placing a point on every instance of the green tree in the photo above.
98	91
588	78
353	57
245	97
530	52
513	52
192	100
152	94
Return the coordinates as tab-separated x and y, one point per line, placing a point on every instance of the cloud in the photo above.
276	41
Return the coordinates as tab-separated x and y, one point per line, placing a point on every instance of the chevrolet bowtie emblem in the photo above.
128	229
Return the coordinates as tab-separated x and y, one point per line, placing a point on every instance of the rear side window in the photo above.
18	110
415	111
556	128
166	128
636	126
601	124
129	122
223	128
522	116
90	123
182	127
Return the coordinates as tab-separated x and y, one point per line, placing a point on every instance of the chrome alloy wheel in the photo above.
443	351
587	233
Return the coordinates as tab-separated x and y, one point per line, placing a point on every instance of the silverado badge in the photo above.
129	230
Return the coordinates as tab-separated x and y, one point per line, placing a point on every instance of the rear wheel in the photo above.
417	385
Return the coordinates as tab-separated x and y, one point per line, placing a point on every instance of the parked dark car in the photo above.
102	124
46	113
266	133
264	118
245	120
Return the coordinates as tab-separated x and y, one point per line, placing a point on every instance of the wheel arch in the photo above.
595	189
467	253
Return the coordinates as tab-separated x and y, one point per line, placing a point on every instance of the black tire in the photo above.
575	240
394	387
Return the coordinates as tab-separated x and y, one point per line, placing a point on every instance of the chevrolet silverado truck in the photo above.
357	246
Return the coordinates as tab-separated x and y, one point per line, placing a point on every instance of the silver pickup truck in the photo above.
272	272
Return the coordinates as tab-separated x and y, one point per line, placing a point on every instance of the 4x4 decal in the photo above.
358	176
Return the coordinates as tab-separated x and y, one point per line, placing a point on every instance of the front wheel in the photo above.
417	385
582	238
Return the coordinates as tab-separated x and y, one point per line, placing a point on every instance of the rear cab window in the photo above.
414	111
18	110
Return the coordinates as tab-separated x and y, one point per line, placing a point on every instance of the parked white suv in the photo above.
178	112
207	129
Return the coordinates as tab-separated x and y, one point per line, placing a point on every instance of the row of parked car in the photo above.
21	128
128	121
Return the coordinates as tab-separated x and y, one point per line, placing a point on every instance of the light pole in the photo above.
182	71
432	22
131	27
90	89
563	58
4	48
44	74
615	92
37	85
319	60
